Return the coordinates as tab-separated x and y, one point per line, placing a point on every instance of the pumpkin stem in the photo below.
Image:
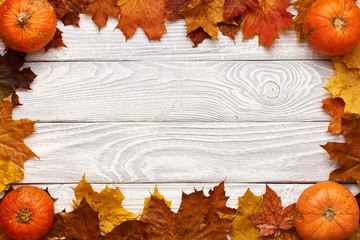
329	214
23	19
23	216
339	23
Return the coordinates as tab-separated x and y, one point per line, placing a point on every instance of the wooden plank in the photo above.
136	193
179	152
88	44
177	91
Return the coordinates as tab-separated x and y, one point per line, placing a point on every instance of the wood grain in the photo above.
88	44
136	193
179	152
224	91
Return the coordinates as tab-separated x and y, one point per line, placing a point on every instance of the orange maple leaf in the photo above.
302	6
12	133
205	14
234	8
335	107
267	20
148	14
275	218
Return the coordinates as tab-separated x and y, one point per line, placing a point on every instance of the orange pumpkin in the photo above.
27	25
326	211
26	213
332	27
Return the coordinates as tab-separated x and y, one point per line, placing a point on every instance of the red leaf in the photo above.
234	8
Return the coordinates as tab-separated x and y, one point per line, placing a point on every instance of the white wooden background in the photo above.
136	113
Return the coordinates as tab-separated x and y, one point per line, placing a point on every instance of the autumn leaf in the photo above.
347	154
205	14
196	219
274	218
335	107
157	195
57	229
128	230
60	8
148	14
356	234
233	8
346	85
198	36
230	30
107	203
266	21
11	77
56	42
101	10
173	7
302	7
73	16
82	223
352	59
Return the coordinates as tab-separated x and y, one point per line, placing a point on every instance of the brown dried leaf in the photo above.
233	8
60	7
173	7
302	7
198	36
73	16
230	30
130	230
335	107
56	42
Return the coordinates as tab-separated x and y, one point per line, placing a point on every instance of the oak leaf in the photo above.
101	10
82	223
205	14
128	231
346	85
267	21
107	203
233	8
242	228
56	42
196	219
335	107
148	14
347	154
274	219
302	7
173	7
11	77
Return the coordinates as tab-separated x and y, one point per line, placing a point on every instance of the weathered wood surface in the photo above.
177	91
179	152
136	193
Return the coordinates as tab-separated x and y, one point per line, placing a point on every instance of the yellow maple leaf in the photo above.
242	228
157	195
346	85
352	59
107	203
205	14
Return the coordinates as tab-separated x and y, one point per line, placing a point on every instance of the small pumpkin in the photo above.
26	213
27	25
332	27
326	211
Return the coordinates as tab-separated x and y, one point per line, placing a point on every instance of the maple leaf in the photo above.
302	7
242	228
230	30
101	10
234	8
198	36
205	14
346	85
73	16
60	8
351	59
196	219
82	223
107	203
347	154
356	234
9	172
335	107
11	78
128	230
56	42
173	7
267	20
157	195
148	14
57	229
12	133
274	218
